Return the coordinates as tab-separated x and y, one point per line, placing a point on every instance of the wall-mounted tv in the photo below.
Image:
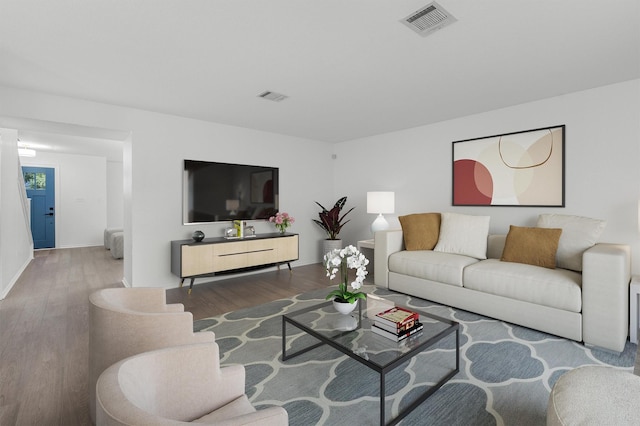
216	192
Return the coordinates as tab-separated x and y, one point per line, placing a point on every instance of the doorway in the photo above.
40	185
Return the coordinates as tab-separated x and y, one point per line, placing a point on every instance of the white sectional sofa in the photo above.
589	306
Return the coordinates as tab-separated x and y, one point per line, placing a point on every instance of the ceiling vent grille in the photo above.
272	96
430	18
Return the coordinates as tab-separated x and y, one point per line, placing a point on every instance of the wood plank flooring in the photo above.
44	335
233	293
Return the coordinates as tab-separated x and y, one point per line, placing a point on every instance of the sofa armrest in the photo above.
385	243
606	273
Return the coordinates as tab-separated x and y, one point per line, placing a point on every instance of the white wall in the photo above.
152	177
115	196
602	153
160	145
602	156
16	248
81	197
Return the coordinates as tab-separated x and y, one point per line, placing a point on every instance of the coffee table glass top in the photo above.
352	333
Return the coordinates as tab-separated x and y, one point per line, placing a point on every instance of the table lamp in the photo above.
380	203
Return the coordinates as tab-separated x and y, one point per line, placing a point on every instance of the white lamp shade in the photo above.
380	202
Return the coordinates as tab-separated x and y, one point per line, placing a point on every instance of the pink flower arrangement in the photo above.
282	221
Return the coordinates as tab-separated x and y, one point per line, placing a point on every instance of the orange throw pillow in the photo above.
420	230
533	246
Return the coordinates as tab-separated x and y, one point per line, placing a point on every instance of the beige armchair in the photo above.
128	321
178	385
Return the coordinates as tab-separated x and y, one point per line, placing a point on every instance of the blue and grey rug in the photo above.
506	371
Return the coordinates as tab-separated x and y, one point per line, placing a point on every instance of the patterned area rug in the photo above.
506	371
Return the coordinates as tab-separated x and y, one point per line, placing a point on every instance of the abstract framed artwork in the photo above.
513	169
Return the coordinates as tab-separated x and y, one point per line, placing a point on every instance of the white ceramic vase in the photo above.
345	308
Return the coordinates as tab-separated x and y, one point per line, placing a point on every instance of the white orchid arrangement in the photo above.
340	261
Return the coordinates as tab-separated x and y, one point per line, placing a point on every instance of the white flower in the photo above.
354	260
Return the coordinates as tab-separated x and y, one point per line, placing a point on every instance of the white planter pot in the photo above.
328	245
345	308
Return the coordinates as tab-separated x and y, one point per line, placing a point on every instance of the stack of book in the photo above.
396	323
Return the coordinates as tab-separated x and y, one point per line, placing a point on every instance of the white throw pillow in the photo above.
578	234
463	234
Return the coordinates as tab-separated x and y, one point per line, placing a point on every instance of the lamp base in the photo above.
380	224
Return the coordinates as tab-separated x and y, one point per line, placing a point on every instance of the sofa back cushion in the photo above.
420	231
463	234
495	245
578	234
533	246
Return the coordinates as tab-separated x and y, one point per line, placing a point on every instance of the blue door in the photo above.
40	185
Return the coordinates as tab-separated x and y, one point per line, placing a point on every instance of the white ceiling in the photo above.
349	67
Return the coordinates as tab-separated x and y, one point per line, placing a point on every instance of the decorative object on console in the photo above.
330	220
514	169
239	225
282	221
338	262
197	236
380	203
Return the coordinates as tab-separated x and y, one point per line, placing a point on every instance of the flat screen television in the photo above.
217	192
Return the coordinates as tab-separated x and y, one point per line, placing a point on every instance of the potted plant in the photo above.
332	222
337	263
282	221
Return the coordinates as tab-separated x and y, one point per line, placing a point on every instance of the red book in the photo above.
398	318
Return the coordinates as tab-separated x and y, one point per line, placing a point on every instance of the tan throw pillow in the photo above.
533	246
420	230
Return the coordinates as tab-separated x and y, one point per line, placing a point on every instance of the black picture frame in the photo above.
520	169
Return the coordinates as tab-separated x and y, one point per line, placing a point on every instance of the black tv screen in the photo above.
215	192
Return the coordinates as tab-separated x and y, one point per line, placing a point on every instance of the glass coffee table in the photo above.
352	335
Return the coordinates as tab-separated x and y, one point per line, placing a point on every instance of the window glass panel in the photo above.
37	181
41	181
30	180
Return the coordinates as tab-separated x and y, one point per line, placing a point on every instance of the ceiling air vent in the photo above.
272	96
430	18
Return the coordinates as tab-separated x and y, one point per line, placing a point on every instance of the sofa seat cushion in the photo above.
431	265
555	288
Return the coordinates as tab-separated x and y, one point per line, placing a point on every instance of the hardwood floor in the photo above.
44	334
219	297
